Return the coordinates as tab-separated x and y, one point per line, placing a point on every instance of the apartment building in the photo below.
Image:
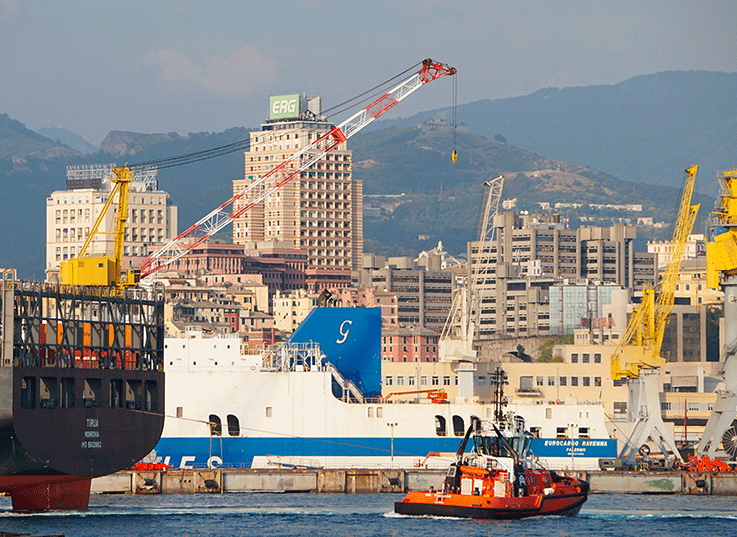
532	253
409	344
71	213
319	211
423	298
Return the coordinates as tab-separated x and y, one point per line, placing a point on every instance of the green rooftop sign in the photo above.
284	106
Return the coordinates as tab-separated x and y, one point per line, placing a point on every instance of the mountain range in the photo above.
415	195
642	130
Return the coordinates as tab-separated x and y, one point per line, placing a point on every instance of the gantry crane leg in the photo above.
645	403
725	407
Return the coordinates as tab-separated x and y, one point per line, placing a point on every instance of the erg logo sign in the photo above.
284	106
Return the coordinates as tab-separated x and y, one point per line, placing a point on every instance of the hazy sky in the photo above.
189	65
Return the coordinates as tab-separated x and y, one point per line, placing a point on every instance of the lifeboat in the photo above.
500	478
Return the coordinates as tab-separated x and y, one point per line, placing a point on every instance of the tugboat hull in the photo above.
463	506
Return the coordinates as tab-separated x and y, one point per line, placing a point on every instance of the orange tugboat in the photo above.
500	478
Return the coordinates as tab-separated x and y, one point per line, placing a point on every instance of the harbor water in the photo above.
286	515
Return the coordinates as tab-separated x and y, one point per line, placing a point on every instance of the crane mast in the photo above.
460	327
105	270
284	172
641	343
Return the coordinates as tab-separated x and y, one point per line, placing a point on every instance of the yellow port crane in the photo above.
637	357
105	270
721	268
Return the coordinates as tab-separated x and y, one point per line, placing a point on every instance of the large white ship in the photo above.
316	403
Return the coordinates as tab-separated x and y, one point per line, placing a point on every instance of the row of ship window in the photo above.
52	392
234	428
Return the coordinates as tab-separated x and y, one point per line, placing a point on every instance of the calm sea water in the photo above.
605	515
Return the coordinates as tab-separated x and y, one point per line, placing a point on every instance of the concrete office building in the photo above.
531	253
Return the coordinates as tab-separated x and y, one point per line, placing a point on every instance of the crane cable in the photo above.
198	156
454	156
415	66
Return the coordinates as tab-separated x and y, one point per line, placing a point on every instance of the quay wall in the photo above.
357	481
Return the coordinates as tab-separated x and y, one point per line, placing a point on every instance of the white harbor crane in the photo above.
456	340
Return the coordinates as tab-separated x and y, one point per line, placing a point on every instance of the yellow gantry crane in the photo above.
105	270
637	357
721	268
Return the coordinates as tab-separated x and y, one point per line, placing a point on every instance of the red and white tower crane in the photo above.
289	168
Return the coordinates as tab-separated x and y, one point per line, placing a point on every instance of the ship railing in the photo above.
349	388
293	356
81	327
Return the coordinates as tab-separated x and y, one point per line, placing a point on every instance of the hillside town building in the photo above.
532	253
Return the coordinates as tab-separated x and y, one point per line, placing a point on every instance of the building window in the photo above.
585	359
597	358
574	381
562	381
574	358
597	381
586	381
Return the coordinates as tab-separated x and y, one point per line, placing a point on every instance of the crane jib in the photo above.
301	160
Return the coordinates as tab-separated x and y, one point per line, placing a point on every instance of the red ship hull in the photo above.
44	492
